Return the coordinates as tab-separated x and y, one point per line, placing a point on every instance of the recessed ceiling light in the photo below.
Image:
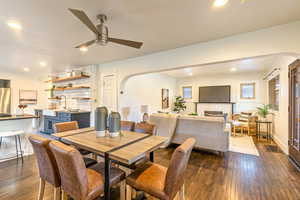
220	3
190	74
43	64
188	70
233	69
14	25
26	69
83	49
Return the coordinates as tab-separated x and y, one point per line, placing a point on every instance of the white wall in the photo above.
278	39
234	81
280	118
146	90
23	81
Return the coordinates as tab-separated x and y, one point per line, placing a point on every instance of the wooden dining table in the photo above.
126	149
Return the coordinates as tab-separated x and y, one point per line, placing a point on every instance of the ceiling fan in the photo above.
101	31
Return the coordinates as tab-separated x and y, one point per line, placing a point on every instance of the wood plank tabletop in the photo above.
133	152
100	145
73	132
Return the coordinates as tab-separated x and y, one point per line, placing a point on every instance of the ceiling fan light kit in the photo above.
101	31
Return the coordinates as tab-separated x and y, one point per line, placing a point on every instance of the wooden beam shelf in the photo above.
58	80
69	88
82	98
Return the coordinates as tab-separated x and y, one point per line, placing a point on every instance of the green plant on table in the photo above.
179	104
264	111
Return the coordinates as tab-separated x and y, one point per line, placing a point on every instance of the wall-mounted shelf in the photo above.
54	98
69	88
82	98
58	80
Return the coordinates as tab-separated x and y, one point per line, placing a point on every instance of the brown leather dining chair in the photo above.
144	127
160	182
127	125
47	165
69	126
79	182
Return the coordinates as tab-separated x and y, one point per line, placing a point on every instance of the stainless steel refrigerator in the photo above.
5	98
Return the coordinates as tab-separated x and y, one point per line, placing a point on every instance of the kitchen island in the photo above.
17	117
23	123
52	117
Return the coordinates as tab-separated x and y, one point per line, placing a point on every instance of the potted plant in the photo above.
264	111
21	107
179	104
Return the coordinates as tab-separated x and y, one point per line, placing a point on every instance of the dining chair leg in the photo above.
123	190
94	156
57	193
181	193
41	189
133	193
128	192
64	196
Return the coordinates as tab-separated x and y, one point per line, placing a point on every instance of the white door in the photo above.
109	95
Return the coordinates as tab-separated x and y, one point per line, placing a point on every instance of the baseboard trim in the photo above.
283	147
294	163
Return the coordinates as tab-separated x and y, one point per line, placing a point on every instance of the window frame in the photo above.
183	87
253	84
274	93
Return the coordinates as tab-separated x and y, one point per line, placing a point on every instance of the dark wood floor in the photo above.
233	177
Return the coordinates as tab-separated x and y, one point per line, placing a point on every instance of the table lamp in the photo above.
145	110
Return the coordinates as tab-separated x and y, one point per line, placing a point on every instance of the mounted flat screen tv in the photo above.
214	94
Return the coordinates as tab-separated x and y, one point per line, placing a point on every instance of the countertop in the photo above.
73	112
17	117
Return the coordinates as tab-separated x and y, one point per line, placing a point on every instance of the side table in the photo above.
259	132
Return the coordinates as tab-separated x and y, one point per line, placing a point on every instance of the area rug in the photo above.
243	144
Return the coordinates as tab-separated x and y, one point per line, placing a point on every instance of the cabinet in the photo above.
83	119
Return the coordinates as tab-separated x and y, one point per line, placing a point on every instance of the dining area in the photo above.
81	165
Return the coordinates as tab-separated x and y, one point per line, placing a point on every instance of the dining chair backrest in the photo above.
127	125
48	168
144	127
177	167
65	126
72	170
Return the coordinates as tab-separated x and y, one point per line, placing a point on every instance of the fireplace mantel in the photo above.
231	104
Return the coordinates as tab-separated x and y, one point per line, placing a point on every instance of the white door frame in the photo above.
102	75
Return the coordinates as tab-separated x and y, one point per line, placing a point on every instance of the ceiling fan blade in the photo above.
84	19
129	43
86	44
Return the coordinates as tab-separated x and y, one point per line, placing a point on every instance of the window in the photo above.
274	92
248	91
187	92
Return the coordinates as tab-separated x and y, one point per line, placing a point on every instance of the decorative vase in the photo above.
114	124
101	121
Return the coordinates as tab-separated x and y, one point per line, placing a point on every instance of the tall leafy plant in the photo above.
179	104
264	111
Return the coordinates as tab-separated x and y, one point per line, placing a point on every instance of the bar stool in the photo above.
16	134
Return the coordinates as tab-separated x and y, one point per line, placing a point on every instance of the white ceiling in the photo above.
50	31
246	66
